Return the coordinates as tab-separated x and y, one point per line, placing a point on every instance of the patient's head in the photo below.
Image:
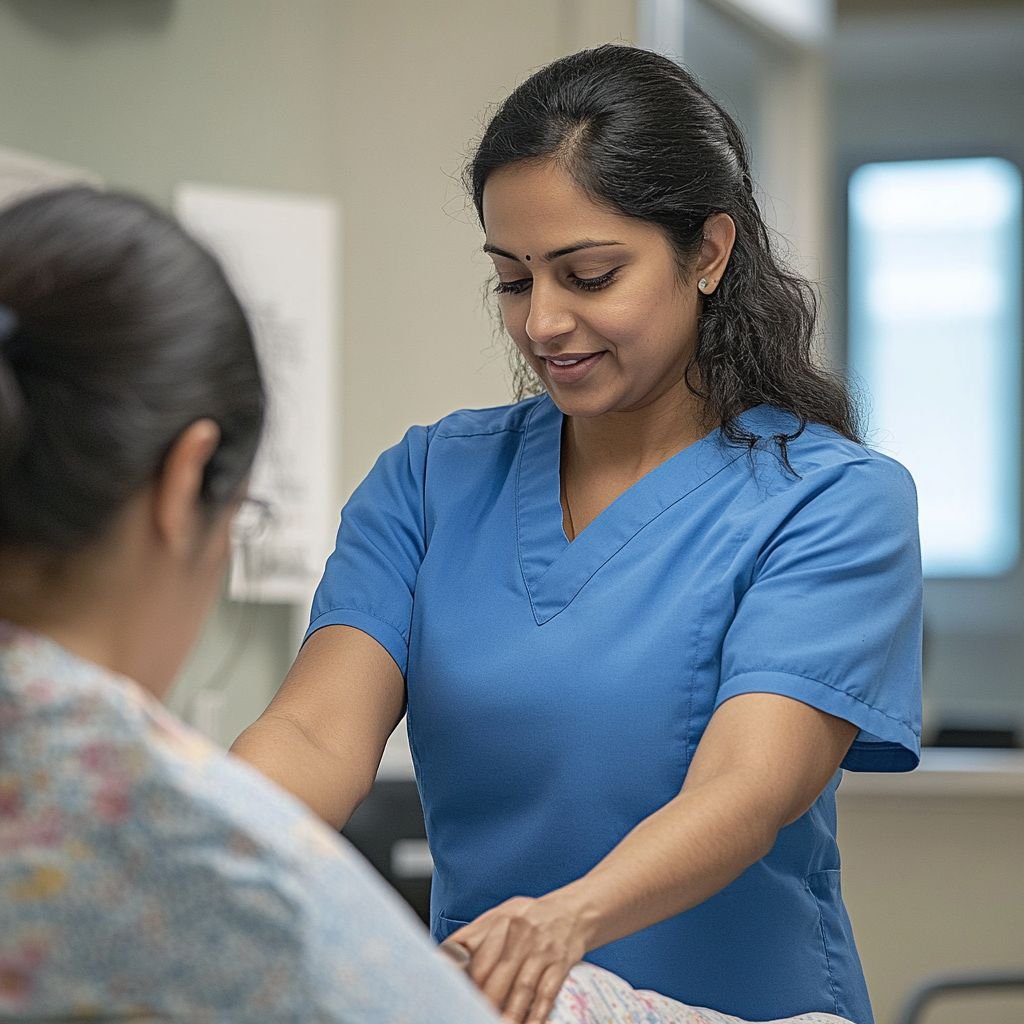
130	410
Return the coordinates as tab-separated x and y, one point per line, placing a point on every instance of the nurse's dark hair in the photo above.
117	331
639	135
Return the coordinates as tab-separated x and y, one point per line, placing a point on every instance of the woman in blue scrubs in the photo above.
643	619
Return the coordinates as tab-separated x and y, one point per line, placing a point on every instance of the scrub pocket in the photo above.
446	926
841	960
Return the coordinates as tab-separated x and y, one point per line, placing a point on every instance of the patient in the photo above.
144	874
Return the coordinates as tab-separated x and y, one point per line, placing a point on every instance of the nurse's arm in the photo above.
762	762
323	735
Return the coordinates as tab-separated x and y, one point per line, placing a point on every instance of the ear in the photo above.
179	486
715	250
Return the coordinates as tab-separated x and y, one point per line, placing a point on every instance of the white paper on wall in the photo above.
280	254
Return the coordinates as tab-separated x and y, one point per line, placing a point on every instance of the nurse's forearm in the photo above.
675	859
762	762
282	751
323	735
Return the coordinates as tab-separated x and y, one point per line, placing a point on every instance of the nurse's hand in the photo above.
522	951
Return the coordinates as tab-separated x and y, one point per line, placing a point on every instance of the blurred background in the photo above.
888	137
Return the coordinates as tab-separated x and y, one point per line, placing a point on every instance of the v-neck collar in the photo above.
555	570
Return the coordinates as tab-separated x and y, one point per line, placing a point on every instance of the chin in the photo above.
582	404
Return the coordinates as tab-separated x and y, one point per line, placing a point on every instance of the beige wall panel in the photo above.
934	885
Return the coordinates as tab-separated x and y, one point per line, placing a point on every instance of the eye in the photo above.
594	284
512	287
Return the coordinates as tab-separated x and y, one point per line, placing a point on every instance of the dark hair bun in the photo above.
126	332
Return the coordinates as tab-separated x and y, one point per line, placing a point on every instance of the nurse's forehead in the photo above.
539	209
551	254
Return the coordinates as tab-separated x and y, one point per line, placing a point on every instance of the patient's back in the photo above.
145	872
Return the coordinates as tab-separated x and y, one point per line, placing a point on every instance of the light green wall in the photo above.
147	93
371	102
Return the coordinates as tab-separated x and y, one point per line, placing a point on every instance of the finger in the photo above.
512	987
457	952
487	951
513	981
548	987
467	935
473	934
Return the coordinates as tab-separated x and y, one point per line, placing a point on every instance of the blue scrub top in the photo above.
557	691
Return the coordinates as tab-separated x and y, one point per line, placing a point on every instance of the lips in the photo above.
571	367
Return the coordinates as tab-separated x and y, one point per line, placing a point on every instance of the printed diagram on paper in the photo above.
280	253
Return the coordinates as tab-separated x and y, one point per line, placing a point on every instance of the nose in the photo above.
550	316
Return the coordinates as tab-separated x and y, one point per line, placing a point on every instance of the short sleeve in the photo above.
370	577
833	614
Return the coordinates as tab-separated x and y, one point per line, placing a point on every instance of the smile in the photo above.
571	367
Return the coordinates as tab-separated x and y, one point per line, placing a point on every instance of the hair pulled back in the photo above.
118	331
639	135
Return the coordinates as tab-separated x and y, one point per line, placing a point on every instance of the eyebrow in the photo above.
555	254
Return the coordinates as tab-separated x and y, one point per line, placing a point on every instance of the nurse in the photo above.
642	619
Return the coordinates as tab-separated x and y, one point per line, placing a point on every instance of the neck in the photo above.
632	442
96	604
62	607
